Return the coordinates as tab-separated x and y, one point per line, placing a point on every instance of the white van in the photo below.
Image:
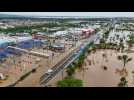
49	71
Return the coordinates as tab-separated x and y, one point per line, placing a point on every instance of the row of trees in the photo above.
125	59
28	28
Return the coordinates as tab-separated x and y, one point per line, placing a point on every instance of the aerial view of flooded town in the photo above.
63	49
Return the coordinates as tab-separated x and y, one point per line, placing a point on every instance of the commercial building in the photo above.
57	47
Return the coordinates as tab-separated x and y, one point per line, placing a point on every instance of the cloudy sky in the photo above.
97	14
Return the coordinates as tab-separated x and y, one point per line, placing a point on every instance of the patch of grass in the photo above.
70	82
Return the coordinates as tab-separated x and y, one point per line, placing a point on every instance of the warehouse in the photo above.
4	43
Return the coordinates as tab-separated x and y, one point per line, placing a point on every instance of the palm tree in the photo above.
70	70
125	59
104	56
121	45
123	82
81	60
93	50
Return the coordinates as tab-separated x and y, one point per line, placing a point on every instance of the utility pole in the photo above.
62	72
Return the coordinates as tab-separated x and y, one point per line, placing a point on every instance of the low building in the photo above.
39	35
87	32
57	47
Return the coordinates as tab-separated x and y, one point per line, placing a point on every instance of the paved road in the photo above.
65	62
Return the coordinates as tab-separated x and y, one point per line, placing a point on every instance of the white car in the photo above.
49	71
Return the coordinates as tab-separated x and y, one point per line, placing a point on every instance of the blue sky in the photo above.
97	14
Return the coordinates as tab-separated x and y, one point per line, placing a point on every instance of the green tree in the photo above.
104	56
70	82
70	70
81	61
125	59
123	82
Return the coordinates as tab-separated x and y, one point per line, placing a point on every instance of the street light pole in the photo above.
62	72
